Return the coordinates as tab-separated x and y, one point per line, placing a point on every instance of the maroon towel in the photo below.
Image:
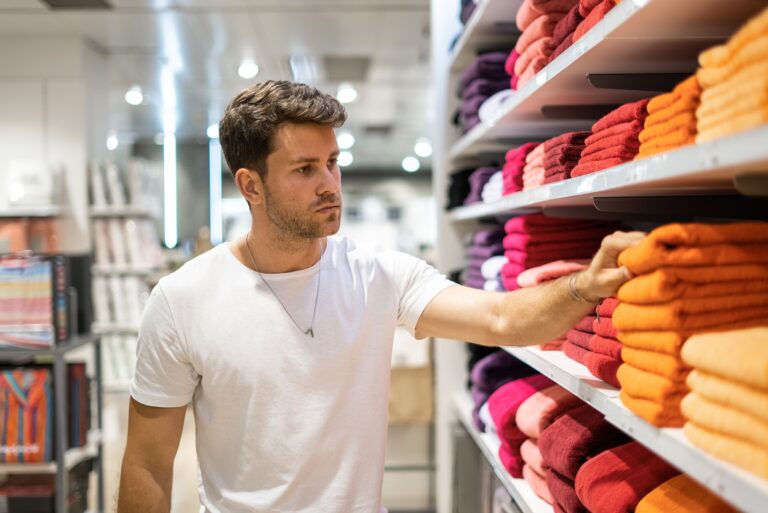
607	306
563	491
544	257
603	326
629	127
603	367
627	112
566	138
569	154
557	177
562	169
567	25
579	434
578	338
616	480
605	346
566	43
588	168
574	352
530	240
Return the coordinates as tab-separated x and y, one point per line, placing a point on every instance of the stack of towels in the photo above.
593	343
671	121
485	245
533	240
458	188
689	278
536	414
614	139
593	11
489	374
467	8
491	271
727	409
568	443
734	81
477	181
493	190
514	167
537	20
577	339
509	67
561	154
533	172
681	494
481	80
502	408
616	480
562	36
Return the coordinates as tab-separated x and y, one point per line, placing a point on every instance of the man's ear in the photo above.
250	185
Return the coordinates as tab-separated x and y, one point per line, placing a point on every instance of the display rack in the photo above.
32	212
71	457
491	24
489	444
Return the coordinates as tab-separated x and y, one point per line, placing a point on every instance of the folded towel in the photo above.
690	88
642	384
566	43
541	223
532	9
669	283
625	152
670	342
739	355
660	415
539	48
574	352
531	455
722	419
680	137
607	306
588	168
586	6
623	133
752	53
605	346
540	257
669	366
578	338
488	236
538	484
541	27
743	454
697	244
484	87
567	25
509	67
679	105
558	173
577	435
685	120
585	324
626	113
491	268
603	367
734	125
570	138
616	480
681	494
497	369
485	252
720	55
603	326
730	393
588	235
563	493
542	408
743	92
542	249
550	271
567	154
593	18
489	66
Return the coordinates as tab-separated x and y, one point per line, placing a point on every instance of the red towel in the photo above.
578	338
593	18
600	165
627	112
603	326
566	26
557	177
574	352
579	434
605	346
563	169
563	492
625	152
616	480
563	46
607	306
603	367
628	127
586	6
625	140
586	324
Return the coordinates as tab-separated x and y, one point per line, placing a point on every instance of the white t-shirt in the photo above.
285	422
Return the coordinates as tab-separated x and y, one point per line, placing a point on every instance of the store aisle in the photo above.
185	468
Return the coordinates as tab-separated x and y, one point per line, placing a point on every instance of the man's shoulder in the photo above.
201	269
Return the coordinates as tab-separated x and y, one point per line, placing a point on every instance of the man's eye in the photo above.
333	162
304	170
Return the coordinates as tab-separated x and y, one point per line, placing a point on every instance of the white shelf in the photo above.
114	329
744	490
127	211
71	458
637	36
41	211
700	168
492	23
123	270
519	489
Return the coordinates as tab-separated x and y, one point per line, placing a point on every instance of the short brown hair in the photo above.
254	115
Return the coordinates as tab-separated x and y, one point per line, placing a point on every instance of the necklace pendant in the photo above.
310	333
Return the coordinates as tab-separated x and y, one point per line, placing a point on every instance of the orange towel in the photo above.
722	419
696	244
668	283
745	398
734	125
740	355
674	317
685	119
752	53
687	103
666	365
682	136
720	55
681	494
752	93
737	83
652	412
670	342
743	454
651	387
687	88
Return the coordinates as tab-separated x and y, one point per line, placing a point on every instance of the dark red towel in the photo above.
579	434
607	306
588	168
603	326
627	112
566	26
546	248
593	18
616	480
605	346
566	138
562	169
578	338
629	127
567	43
557	177
574	352
603	367
570	154
563	490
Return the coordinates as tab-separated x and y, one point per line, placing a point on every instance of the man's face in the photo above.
302	188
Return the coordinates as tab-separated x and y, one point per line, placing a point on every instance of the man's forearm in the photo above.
143	490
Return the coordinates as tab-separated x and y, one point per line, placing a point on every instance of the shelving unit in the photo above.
128	270
32	212
492	23
127	211
519	489
72	457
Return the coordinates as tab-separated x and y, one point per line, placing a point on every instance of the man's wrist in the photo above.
580	287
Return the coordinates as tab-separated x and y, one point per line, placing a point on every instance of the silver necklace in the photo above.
309	331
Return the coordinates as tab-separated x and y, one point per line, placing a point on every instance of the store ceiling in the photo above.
380	46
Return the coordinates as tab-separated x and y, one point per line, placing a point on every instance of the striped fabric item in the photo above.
26	415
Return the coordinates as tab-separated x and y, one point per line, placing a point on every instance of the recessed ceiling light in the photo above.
248	69
134	96
411	164
213	131
345	140
346	93
112	142
423	148
345	158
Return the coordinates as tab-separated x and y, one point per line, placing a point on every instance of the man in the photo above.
281	340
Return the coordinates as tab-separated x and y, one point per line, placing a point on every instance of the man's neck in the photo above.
274	254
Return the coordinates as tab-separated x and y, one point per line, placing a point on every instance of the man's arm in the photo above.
147	472
527	316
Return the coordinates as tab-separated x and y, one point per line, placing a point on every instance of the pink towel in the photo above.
603	326
509	64
542	408
532	9
538	484
592	236
539	48
551	271
543	26
605	346
532	456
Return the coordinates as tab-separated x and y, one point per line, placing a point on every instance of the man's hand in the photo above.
604	277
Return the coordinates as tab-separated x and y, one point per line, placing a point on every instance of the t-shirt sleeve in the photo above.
417	284
164	376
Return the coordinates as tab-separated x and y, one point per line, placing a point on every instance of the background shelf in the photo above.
491	25
127	211
71	458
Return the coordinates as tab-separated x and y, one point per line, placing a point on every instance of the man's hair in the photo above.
249	124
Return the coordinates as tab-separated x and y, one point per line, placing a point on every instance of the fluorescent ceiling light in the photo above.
423	148
112	142
248	69
346	93
213	131
411	164
345	140
345	158
134	96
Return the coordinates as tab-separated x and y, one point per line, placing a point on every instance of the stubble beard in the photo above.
295	226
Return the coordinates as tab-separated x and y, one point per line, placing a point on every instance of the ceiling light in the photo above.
213	131
345	140
411	164
423	148
346	93
134	96
345	158
248	69
112	142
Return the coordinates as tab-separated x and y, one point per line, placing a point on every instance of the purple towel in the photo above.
488	65
490	373
470	106
486	251
484	87
488	236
